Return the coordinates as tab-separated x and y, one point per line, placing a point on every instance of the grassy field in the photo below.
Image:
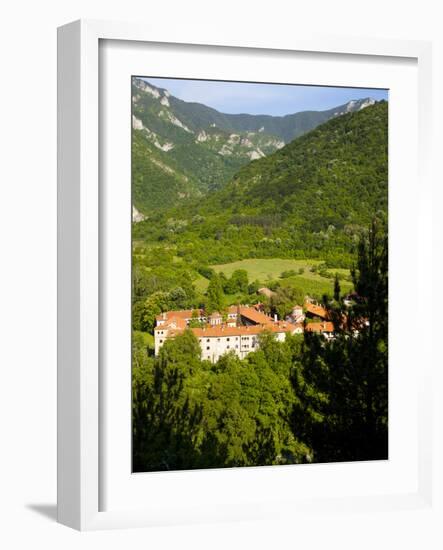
315	286
265	270
270	269
201	284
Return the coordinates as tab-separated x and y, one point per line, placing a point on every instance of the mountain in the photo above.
312	197
335	174
182	149
286	127
174	157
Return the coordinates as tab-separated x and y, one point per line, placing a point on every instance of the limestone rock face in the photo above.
136	215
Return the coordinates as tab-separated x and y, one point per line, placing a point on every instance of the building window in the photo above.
161	341
207	340
227	347
227	339
218	339
208	347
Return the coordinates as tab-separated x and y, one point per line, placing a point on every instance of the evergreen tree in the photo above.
215	295
336	288
166	414
344	384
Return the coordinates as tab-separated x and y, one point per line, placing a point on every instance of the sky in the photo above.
269	99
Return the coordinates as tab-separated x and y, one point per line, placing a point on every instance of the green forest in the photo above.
298	401
306	219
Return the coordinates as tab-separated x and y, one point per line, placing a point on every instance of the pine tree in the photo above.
215	295
345	380
336	288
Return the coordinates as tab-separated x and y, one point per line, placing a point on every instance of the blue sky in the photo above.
270	99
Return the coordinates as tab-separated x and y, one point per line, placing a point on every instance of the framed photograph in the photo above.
235	292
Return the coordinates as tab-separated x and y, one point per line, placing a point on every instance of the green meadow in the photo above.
270	270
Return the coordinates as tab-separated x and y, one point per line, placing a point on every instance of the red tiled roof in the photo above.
179	322
255	316
217	331
325	326
318	311
249	313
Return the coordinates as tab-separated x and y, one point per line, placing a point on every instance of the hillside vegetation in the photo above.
274	224
183	149
286	128
310	199
308	218
302	400
183	156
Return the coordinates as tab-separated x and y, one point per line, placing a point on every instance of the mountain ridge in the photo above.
312	198
290	131
183	149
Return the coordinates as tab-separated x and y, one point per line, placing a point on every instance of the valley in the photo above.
259	284
182	150
289	220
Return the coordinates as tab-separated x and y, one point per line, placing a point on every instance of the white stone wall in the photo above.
213	347
159	339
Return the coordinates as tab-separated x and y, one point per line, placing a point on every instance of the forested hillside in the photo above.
308	200
334	175
286	127
298	401
175	157
183	149
234	216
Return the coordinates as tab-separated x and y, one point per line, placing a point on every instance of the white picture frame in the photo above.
80	444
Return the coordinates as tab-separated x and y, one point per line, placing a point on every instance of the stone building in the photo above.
239	332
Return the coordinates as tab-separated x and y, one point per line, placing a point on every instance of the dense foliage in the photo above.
154	183
174	158
309	200
173	250
344	384
189	413
307	207
301	400
333	177
186	149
